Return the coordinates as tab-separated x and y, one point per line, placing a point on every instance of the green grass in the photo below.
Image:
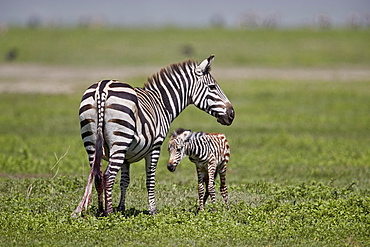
36	212
107	47
299	172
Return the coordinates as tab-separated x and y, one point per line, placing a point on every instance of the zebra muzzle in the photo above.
228	118
171	167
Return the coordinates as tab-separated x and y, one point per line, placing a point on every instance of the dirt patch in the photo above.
25	78
59	79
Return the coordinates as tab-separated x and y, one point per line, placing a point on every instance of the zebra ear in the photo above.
188	135
205	66
173	134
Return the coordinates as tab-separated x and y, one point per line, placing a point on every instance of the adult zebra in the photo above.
127	124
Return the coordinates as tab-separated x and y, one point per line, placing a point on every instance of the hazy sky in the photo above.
180	13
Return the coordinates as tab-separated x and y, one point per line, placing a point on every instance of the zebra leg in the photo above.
151	164
115	162
223	187
125	181
211	184
200	189
206	182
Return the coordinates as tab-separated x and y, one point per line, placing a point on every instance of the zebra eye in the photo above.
212	86
198	72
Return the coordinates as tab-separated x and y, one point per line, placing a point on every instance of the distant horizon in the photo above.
190	13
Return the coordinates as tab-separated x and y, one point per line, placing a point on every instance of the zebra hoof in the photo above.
121	209
99	213
106	213
199	210
153	212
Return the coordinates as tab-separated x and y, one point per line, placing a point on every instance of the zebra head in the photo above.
208	95
176	148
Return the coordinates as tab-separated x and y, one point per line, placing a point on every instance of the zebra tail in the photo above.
95	172
98	155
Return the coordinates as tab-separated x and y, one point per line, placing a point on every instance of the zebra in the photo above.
210	152
124	124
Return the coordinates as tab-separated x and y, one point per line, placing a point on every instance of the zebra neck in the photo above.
192	142
173	101
174	84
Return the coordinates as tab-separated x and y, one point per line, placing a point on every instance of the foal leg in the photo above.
206	182
200	188
211	184
223	187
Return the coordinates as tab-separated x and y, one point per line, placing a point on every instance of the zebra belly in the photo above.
202	165
137	146
145	138
138	149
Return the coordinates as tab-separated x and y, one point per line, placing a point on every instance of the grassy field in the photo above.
107	47
299	172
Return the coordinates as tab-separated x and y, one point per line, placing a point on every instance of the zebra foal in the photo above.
127	124
210	152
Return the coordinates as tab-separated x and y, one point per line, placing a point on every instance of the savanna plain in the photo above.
299	172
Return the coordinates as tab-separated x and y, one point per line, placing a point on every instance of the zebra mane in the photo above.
177	132
196	135
169	72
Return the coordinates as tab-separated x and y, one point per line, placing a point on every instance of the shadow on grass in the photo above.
133	212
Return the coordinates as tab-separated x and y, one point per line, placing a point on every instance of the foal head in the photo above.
176	148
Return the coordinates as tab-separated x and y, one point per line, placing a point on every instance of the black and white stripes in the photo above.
126	124
210	152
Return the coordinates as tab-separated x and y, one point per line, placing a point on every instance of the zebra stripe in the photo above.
210	152
132	123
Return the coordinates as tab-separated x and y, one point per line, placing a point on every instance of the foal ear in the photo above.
205	66
188	134
173	134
